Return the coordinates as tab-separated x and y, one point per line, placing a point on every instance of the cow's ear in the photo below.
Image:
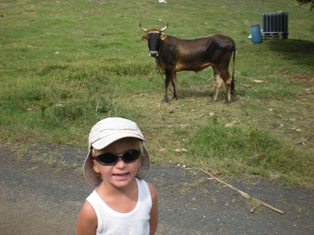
163	36
144	37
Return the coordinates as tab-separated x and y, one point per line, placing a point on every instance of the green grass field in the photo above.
66	64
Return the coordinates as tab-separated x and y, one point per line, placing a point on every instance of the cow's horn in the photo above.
145	30
164	28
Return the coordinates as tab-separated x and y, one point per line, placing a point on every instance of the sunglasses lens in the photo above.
111	159
107	159
130	156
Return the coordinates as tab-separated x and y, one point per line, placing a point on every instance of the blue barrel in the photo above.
256	34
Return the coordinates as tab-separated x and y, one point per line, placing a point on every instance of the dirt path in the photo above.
36	199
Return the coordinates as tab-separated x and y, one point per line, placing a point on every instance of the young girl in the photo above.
122	202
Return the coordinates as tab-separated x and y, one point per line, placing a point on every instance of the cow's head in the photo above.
153	37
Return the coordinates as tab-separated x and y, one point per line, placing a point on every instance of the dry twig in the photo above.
260	203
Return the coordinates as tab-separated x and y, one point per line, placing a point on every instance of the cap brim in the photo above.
104	141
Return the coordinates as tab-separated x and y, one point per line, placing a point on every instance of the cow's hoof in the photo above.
165	100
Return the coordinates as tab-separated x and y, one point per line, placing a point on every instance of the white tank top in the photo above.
135	222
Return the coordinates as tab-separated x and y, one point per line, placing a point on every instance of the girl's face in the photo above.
120	174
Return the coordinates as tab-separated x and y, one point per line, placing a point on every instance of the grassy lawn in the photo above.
66	64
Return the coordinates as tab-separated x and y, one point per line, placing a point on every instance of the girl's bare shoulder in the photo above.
152	189
87	220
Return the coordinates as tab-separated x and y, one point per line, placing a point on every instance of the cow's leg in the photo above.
174	85
167	81
218	82
228	82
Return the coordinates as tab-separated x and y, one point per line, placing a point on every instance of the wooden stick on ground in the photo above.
260	203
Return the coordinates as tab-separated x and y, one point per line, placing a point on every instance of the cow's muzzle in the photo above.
153	54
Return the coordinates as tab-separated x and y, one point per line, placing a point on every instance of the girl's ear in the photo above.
144	37
95	167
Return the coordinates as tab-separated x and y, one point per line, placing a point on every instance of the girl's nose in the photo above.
120	163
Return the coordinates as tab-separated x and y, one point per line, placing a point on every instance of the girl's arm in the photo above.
154	211
87	221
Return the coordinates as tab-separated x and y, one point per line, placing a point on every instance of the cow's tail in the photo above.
233	68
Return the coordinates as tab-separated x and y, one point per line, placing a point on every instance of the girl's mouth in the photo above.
121	176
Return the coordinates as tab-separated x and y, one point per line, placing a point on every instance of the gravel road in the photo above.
39	198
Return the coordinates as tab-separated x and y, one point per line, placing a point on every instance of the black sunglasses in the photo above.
109	159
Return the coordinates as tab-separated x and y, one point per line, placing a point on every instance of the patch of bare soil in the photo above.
39	198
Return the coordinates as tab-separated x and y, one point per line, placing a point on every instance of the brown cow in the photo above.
173	55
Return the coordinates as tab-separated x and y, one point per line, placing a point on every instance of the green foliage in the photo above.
129	69
57	114
245	149
306	2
